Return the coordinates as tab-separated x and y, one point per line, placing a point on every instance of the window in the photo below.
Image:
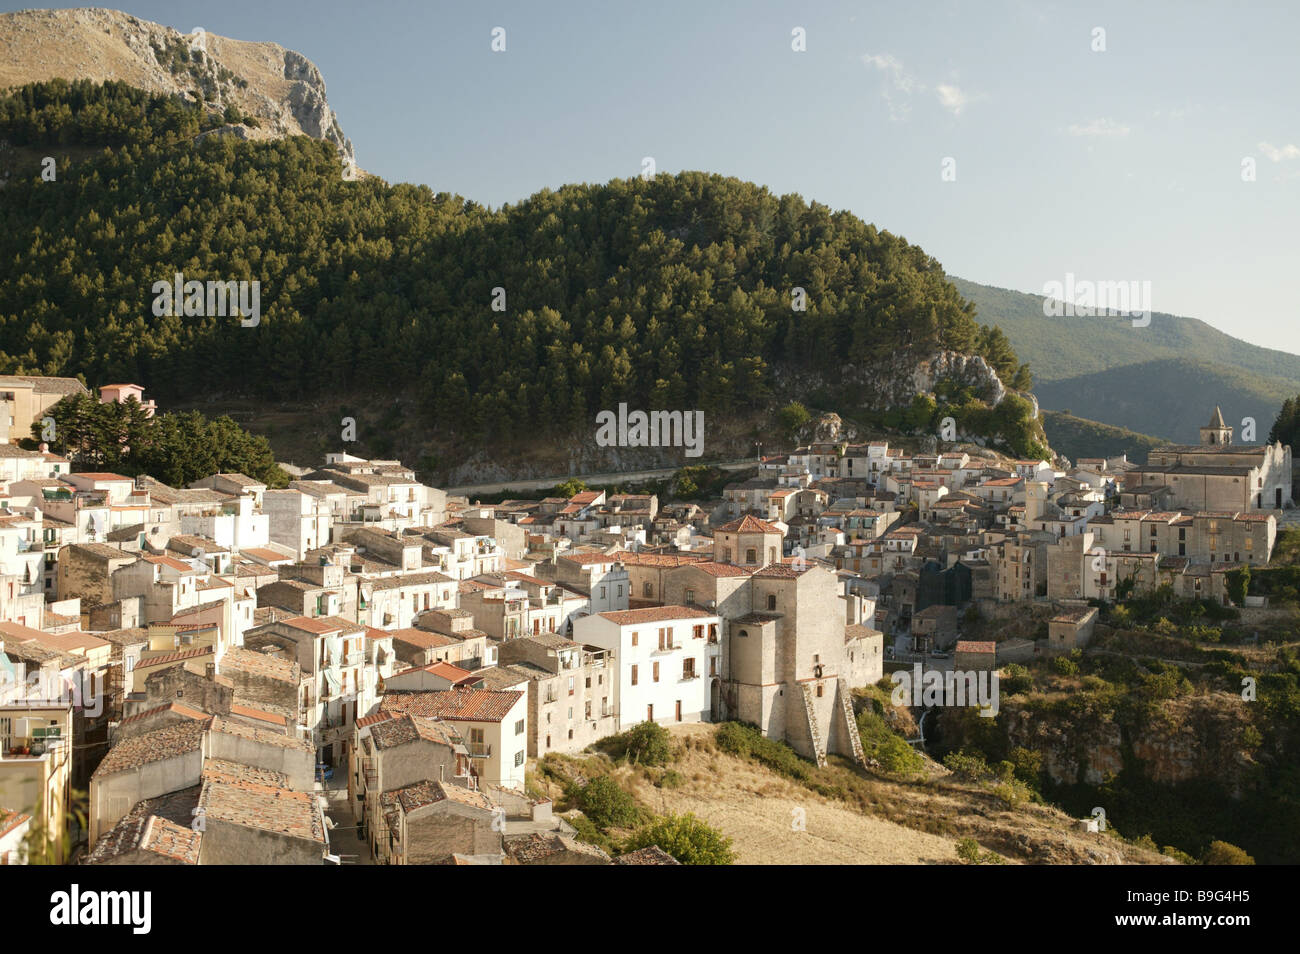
634	674
647	589
588	683
519	758
771	601
656	672
519	727
819	690
688	668
634	637
751	556
602	592
618	591
570	685
697	632
586	710
665	637
690	597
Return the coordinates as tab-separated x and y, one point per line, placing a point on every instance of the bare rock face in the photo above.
970	370
828	428
280	89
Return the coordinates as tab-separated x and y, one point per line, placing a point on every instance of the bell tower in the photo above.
1216	432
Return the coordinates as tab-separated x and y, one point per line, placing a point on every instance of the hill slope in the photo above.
1162	379
1170	398
281	89
678	292
1077	437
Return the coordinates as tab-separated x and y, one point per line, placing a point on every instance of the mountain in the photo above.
1076	437
689	291
1162	380
280	90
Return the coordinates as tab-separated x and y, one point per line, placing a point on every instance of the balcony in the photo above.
479	750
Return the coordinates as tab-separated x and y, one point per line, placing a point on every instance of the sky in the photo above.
1119	155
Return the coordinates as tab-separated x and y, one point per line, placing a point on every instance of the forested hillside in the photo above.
1162	379
674	292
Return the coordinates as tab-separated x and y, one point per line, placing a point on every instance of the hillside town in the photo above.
236	674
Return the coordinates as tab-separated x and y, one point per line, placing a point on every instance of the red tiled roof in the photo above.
748	524
654	614
457	705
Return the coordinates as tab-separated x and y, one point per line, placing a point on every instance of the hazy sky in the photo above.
1117	165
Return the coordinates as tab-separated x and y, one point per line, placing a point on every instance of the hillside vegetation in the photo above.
1161	380
1077	437
674	292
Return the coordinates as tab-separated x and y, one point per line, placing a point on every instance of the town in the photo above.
239	674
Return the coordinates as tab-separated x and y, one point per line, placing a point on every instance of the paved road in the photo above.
543	483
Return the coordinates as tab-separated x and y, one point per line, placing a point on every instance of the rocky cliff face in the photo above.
1196	737
282	90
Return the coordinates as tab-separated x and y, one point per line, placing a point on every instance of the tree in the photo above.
687	838
606	804
570	487
1286	426
793	416
648	743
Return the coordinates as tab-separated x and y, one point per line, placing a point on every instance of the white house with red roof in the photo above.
664	660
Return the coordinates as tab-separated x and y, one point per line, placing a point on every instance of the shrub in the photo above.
1223	853
648	743
687	838
671	779
606	804
964	765
1066	666
588	832
968	850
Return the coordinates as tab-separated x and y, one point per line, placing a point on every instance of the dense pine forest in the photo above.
672	292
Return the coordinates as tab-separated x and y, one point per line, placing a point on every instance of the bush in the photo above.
671	779
687	838
746	741
607	805
971	768
1223	853
648	743
588	832
968	850
1066	666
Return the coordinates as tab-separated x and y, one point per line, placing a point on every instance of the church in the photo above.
1216	474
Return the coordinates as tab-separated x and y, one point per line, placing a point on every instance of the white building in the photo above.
663	658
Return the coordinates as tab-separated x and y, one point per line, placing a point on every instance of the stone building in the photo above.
1217	474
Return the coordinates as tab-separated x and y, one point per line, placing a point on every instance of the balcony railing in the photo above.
479	750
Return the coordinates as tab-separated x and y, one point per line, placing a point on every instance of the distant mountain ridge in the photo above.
1160	380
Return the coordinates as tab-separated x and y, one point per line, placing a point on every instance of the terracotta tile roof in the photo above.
748	524
722	569
265	736
654	614
253	663
457	705
155	746
422	639
188	712
426	793
261	715
167	659
532	848
97	475
10	819
650	855
264	807
223	770
162	826
402	730
973	646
